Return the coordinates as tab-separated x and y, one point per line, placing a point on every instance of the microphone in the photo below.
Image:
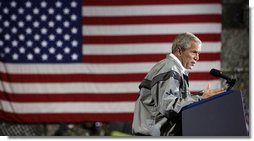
217	73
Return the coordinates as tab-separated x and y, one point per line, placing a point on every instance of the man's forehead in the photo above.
195	46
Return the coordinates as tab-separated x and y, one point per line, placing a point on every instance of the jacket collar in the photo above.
178	62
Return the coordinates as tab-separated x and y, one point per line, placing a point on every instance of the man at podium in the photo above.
165	90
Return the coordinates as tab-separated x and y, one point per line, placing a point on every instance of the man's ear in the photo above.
178	51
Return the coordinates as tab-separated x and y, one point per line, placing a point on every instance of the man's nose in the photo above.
196	57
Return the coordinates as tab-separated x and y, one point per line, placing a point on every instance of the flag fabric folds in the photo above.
82	60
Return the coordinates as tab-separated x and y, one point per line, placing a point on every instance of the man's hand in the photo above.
211	92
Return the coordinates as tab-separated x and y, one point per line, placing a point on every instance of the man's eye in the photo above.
196	53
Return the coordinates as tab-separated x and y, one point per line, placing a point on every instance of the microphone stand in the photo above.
231	83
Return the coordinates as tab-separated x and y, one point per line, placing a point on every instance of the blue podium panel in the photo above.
220	115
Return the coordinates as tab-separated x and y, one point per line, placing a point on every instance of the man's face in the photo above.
190	56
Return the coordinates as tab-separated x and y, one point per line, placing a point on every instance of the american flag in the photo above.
82	60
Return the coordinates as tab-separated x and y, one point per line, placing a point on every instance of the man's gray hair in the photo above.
184	41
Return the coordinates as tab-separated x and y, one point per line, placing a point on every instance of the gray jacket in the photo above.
163	93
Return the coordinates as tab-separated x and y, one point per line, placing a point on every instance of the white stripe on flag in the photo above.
152	48
149	29
61	88
67	107
188	9
105	68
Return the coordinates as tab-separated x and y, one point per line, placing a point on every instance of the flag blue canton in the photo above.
40	31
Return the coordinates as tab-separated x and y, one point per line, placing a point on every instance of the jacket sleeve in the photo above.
171	99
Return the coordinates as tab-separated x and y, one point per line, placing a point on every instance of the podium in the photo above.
220	115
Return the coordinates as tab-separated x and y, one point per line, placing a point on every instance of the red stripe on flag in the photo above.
65	117
127	39
140	58
144	2
68	78
71	97
68	97
151	19
199	76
